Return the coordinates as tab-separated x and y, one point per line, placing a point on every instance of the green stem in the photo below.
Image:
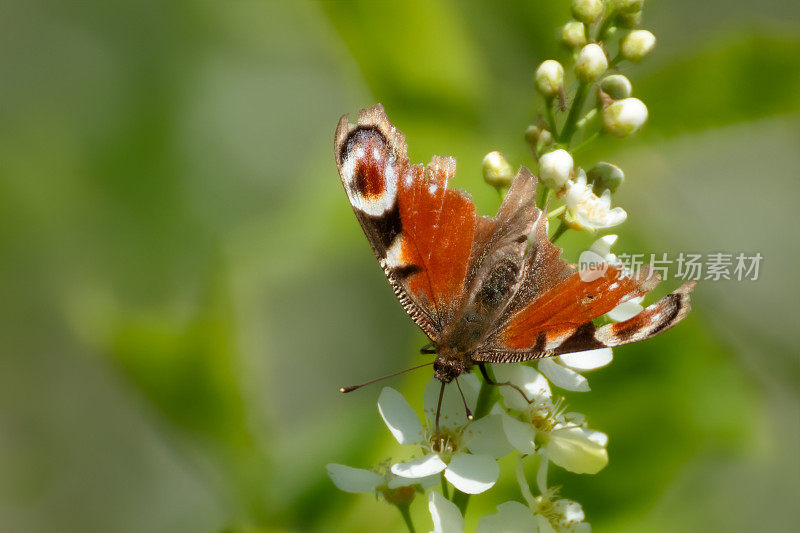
544	194
444	487
557	211
482	408
586	141
574	112
405	511
562	228
551	119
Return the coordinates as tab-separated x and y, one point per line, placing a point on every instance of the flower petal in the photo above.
424	466
602	246
588	360
351	479
446	516
570	510
511	517
578	450
563	377
472	473
453	414
425	482
400	418
486	436
520	434
533	383
625	311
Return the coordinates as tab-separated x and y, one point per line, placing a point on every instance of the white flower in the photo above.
497	172
562	370
587	211
544	428
591	63
466	451
573	34
587	11
616	86
549	78
446	516
637	45
560	516
360	481
555	168
624	117
627	309
513	517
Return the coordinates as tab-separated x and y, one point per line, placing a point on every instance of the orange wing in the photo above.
421	232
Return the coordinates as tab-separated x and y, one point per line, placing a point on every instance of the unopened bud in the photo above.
624	117
591	63
605	176
629	20
628	6
616	86
573	34
497	172
555	168
587	11
549	78
637	44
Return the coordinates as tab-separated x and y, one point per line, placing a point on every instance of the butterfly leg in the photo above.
490	381
429	348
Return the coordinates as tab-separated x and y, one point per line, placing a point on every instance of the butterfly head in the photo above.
447	368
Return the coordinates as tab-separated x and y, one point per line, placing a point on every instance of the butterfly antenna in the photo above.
370	382
466	407
439	408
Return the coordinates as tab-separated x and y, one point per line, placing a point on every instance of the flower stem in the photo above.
562	228
444	487
482	408
405	511
551	119
574	112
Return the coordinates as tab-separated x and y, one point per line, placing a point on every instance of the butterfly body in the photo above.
483	289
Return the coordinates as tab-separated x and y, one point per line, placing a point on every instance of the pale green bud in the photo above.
587	11
549	78
573	34
497	172
629	20
628	6
555	168
591	63
624	117
637	44
616	86
605	176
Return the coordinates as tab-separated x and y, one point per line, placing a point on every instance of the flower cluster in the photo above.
450	448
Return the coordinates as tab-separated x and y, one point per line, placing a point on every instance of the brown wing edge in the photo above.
654	319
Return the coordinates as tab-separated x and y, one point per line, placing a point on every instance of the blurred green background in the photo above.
184	287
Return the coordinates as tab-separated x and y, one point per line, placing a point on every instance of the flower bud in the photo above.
637	44
616	86
628	6
555	168
587	11
605	176
497	172
573	34
629	20
536	135
591	63
549	78
624	117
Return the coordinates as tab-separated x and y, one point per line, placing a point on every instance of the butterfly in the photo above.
483	289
